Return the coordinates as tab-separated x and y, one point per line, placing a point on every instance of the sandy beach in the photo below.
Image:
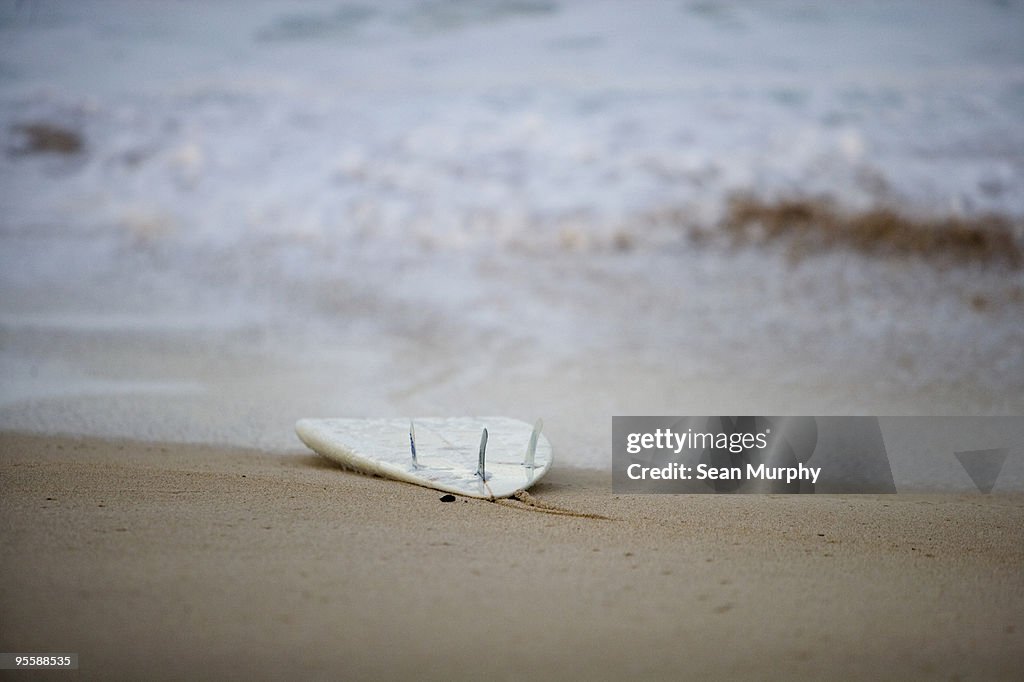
217	219
160	561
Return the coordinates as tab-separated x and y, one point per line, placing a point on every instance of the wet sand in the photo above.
161	561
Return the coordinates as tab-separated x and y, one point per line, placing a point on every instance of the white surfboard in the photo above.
486	457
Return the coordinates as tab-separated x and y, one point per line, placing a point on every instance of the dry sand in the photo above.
177	562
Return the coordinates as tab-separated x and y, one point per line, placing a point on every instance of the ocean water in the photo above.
283	209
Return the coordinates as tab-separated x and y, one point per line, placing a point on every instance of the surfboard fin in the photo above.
480	470
531	449
412	445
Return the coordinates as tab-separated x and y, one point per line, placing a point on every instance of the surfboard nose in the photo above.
304	427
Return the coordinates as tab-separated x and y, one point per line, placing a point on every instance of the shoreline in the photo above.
158	560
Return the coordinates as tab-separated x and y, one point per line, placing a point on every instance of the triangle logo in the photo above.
983	466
